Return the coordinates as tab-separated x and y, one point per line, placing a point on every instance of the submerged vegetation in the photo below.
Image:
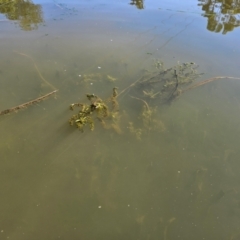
85	115
162	84
153	89
165	83
97	108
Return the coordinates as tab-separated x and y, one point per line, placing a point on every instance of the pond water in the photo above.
161	165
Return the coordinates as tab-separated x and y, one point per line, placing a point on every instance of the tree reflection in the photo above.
28	14
137	3
223	15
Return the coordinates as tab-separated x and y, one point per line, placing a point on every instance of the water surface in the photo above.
177	180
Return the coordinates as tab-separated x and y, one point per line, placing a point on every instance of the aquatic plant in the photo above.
96	108
162	83
84	116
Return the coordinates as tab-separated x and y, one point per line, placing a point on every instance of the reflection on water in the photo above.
223	16
138	3
28	14
157	169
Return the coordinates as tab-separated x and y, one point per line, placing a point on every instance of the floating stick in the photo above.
24	105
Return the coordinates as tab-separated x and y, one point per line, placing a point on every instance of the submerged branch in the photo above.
36	67
146	104
208	81
24	105
175	91
131	85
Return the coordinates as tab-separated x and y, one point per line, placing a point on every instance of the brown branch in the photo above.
36	67
24	105
131	85
208	81
146	104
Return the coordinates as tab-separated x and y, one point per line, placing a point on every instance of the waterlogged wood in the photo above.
24	105
210	80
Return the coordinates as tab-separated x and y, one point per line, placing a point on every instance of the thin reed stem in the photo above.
36	67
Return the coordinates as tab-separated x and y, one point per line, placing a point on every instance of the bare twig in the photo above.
131	85
208	81
146	104
24	105
36	67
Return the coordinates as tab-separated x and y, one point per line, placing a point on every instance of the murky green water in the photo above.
179	179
